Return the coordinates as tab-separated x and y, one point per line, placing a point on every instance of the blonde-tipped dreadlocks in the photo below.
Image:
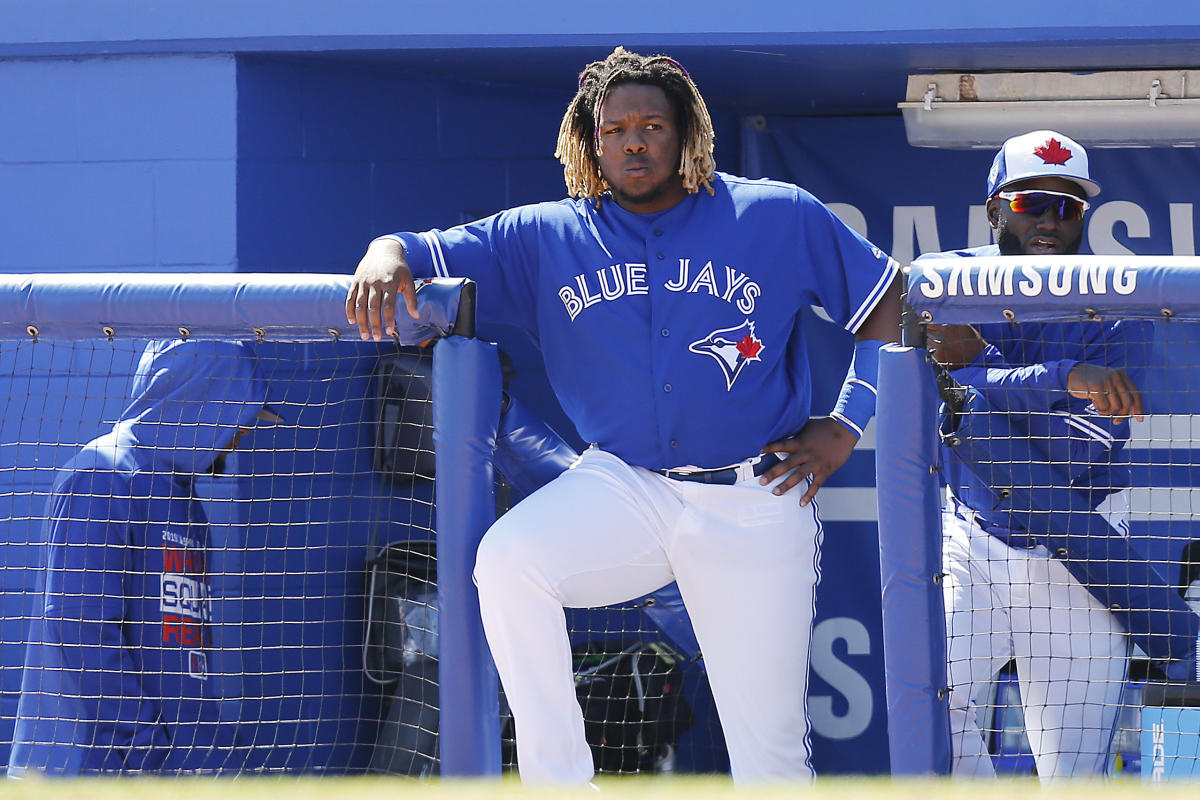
577	138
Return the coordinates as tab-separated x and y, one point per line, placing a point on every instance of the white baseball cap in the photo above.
1041	154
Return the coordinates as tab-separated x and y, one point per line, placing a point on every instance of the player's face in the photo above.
1036	234
639	147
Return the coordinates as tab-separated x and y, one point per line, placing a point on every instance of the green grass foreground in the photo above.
641	788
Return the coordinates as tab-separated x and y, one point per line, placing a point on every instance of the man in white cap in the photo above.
1016	588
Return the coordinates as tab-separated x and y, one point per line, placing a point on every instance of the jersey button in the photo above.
658	232
661	256
666	332
667	387
674	443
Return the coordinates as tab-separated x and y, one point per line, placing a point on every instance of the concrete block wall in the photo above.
118	163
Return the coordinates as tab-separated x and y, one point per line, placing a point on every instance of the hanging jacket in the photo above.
117	661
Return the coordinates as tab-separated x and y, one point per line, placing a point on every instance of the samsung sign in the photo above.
1024	277
1046	288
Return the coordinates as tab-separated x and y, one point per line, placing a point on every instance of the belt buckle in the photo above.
745	470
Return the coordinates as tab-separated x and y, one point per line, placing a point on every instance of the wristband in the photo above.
856	404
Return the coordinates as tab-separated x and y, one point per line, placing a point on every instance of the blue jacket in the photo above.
116	665
1024	370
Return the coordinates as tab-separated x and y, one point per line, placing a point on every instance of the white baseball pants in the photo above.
604	533
1071	654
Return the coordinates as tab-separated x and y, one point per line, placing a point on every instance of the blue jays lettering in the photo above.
621	280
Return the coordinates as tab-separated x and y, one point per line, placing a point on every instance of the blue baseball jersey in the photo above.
1024	370
670	339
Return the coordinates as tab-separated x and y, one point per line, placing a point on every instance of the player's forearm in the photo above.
855	405
1031	387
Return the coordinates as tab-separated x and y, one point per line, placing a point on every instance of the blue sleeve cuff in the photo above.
424	253
856	403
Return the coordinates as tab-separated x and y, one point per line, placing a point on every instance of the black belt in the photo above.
726	475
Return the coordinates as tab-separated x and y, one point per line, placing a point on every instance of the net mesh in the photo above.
1069	536
213	622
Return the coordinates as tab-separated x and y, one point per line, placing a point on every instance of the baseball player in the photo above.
1016	586
666	298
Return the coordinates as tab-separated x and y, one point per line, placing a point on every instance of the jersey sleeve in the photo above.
1124	345
850	274
499	253
1009	387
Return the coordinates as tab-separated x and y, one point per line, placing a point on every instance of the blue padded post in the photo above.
466	410
910	556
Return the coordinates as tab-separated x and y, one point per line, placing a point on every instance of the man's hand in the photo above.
381	274
1110	390
953	346
817	450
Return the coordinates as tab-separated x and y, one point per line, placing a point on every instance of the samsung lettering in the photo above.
1027	280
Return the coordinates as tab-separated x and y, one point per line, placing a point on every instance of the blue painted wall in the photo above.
115	164
330	156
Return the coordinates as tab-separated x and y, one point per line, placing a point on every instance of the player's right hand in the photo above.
381	274
953	346
1110	390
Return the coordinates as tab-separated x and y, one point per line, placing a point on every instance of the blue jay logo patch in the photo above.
732	349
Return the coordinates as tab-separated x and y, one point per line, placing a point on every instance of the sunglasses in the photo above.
1067	206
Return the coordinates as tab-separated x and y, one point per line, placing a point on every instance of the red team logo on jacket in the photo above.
731	348
184	599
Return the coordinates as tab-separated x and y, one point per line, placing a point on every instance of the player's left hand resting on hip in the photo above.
820	447
1110	390
382	273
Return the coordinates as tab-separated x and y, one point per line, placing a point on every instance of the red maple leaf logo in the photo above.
749	346
1052	152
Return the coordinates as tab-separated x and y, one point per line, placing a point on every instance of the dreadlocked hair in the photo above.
578	140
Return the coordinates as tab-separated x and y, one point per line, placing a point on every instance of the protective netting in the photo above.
160	617
1069	534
